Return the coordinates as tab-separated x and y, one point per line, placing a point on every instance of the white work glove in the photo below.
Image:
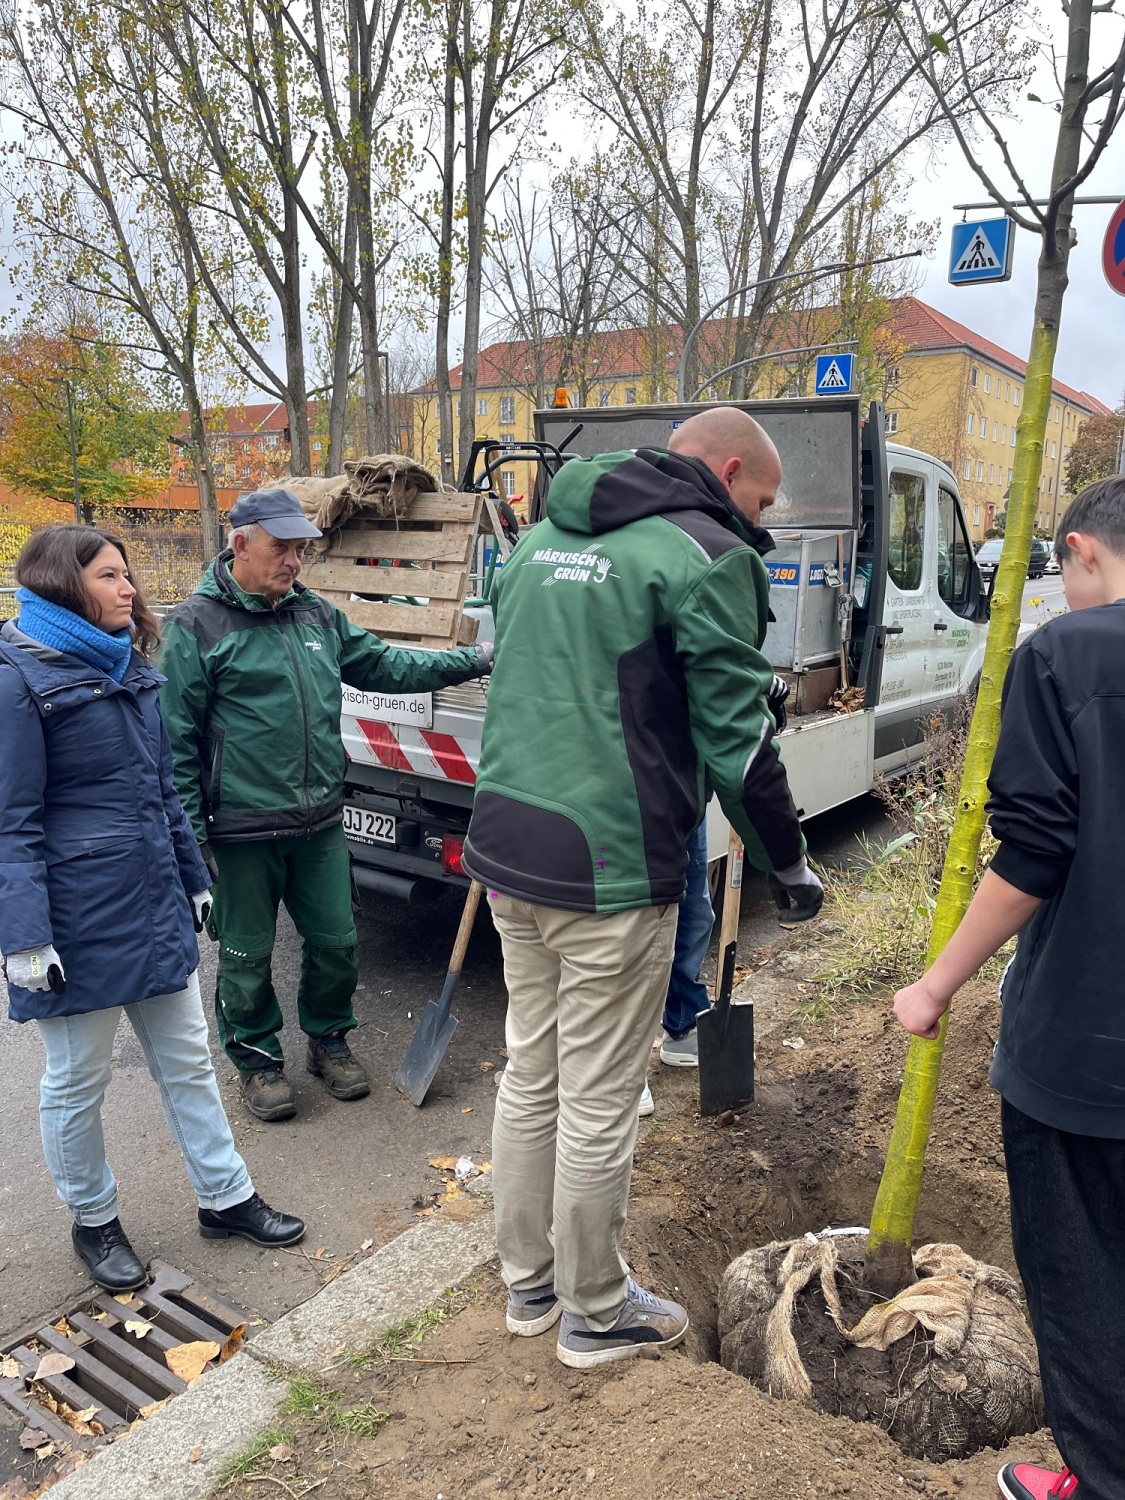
484	652
36	969
201	909
797	892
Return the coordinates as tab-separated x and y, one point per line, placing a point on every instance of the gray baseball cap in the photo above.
276	511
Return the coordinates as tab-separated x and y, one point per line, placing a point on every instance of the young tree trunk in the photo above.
341	355
888	1264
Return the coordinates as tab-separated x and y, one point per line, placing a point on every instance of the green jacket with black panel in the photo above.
628	669
252	704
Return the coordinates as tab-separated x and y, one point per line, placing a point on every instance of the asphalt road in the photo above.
353	1171
1048	592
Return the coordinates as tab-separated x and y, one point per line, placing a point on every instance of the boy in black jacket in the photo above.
1058	809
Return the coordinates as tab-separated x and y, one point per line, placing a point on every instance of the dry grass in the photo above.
883	905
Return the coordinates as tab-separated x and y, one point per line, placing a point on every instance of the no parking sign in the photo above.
1113	251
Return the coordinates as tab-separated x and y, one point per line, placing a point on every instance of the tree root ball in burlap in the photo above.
946	1368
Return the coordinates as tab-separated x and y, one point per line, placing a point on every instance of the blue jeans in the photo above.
686	996
172	1032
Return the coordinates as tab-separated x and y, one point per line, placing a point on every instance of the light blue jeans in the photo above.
172	1032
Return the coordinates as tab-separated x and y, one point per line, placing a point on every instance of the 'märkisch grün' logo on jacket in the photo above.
628	663
252	703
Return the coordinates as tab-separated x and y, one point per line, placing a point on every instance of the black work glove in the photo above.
775	701
797	893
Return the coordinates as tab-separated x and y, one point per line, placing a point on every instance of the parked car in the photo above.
988	558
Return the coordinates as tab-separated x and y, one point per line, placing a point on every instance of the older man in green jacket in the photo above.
254	662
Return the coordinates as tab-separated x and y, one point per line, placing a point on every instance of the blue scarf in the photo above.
62	630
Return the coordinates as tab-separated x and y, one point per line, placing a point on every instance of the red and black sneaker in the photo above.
1029	1482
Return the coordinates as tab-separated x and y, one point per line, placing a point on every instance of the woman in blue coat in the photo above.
103	890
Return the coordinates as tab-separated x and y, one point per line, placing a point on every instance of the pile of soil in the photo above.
508	1418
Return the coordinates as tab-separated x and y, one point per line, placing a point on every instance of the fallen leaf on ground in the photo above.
153	1407
367	1244
188	1361
233	1343
63	1327
444	1163
503	1051
195	1455
82	1421
100	1317
467	1110
53	1363
32	1438
321	1253
137	1327
8	1368
485	1066
281	1453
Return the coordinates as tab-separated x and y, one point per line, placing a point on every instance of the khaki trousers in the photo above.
585	995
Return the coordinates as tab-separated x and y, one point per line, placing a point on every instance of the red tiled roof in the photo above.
617	354
921	327
249	419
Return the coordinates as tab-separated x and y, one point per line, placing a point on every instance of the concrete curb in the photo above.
231	1405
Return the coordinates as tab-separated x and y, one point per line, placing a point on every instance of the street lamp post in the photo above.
833	268
772	354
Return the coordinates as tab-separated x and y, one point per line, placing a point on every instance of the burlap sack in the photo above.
977	1383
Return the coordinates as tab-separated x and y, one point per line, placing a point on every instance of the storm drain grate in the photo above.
121	1374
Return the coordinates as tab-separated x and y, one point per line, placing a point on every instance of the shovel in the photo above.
436	1028
726	1031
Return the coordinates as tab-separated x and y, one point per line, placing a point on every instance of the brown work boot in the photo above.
268	1094
330	1057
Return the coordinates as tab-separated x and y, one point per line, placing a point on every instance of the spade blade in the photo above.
423	1056
726	1058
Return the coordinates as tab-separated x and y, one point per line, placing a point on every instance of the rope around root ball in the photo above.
973	1383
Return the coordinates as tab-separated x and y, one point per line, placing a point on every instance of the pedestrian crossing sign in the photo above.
981	251
834	374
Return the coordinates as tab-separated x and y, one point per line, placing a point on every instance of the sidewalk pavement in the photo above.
230	1405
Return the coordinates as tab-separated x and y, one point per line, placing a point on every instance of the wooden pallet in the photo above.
436	535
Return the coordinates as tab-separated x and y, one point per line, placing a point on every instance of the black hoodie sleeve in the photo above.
1034	779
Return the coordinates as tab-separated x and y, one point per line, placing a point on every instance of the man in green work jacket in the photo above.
254	662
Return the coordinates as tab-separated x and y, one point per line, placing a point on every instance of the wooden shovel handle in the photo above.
465	929
732	896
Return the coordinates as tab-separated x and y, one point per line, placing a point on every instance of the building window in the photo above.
1050	483
509	483
482	406
1013	437
630	395
246	447
987	384
968	468
980	471
1016	396
974	376
317	445
457	408
1009	476
995	430
603	396
992	473
976	515
890	421
894	375
970	423
1007	391
1004	433
246	471
507	410
1054	450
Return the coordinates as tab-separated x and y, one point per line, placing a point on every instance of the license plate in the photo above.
368	827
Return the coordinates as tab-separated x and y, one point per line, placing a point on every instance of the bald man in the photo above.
628	670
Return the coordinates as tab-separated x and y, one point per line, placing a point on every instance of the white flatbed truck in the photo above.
880	622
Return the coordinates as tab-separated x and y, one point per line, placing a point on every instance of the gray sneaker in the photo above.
644	1325
681	1053
533	1311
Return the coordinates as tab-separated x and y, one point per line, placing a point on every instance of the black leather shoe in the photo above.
108	1256
254	1220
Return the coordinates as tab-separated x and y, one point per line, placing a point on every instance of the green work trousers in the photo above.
312	877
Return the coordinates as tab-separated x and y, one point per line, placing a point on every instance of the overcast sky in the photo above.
1091	353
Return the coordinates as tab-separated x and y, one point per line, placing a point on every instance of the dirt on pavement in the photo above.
473	1411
